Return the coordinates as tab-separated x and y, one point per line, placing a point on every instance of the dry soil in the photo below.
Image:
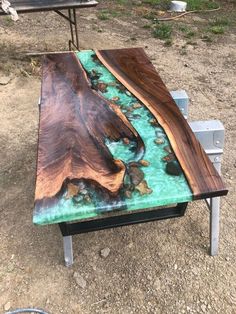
161	267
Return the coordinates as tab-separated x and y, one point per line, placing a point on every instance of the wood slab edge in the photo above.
214	185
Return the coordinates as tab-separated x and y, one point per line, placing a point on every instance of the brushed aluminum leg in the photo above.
68	250
214	225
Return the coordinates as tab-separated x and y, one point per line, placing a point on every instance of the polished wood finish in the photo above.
75	121
134	70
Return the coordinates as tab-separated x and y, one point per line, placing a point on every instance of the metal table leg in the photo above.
214	206
214	225
71	18
68	250
68	229
212	140
211	136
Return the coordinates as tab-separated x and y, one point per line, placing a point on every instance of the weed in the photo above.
168	42
8	21
190	34
218	25
183	28
122	2
207	38
162	4
162	31
192	43
107	14
150	15
103	15
183	52
217	29
223	21
201	5
152	2
147	26
114	13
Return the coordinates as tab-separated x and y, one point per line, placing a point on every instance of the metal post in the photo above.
76	30
215	216
71	18
214	225
68	250
74	41
211	136
71	29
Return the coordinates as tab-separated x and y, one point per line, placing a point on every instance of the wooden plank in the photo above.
27	6
74	123
134	70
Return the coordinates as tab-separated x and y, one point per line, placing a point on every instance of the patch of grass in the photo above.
192	43
190	34
168	42
222	21
96	28
103	15
201	5
162	4
184	28
122	2
162	31
115	14
207	38
107	14
8	21
217	29
183	51
219	25
152	2
147	26
150	15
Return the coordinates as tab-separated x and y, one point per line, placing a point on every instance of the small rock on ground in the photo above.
79	280
7	306
105	252
4	80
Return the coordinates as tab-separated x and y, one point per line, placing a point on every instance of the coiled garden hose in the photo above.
27	310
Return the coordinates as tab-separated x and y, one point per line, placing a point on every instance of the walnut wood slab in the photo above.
134	70
74	123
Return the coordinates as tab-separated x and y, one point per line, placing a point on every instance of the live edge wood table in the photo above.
114	149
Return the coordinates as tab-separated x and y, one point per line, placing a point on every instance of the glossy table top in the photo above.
152	175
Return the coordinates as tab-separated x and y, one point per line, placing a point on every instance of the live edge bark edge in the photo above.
134	70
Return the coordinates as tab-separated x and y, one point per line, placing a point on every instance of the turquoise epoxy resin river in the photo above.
159	189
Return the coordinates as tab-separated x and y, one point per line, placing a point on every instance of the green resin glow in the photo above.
166	189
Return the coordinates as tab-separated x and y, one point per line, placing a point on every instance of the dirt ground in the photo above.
161	267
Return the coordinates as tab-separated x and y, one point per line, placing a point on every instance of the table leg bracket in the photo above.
68	228
210	135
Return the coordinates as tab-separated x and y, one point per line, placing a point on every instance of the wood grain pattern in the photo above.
74	123
134	70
